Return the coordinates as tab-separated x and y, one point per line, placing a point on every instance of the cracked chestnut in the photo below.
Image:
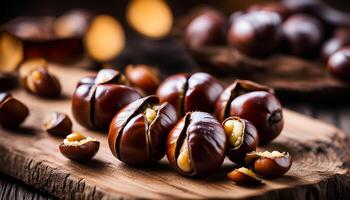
12	111
242	138
137	134
58	124
190	92
196	145
244	176
338	64
144	77
255	103
77	147
98	98
269	164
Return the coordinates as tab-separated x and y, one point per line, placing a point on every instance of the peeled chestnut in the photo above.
98	98
137	134
269	164
190	92
242	138
58	124
303	35
339	64
255	33
244	176
144	77
196	145
255	103
12	111
78	147
206	29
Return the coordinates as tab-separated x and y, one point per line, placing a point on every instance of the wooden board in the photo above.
320	168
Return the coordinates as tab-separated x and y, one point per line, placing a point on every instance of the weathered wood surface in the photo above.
320	152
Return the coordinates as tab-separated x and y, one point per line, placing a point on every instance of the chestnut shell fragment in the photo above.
59	124
241	177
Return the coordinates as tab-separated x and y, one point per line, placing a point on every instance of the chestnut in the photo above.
340	39
98	98
255	103
196	145
255	33
269	164
144	77
58	124
242	138
190	92
272	7
303	35
78	147
12	111
244	176
137	134
338	64
208	28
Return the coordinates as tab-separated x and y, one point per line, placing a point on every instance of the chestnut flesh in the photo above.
137	134
144	77
12	111
196	145
244	176
339	64
58	124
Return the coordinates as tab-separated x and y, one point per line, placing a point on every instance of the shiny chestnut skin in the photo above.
208	28
98	98
58	124
242	138
255	33
272	7
137	134
78	147
338	64
244	176
196	145
12	111
255	103
269	166
303	35
144	77
340	39
190	92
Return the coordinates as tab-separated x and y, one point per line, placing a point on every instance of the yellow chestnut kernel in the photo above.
247	172
273	154
234	130
75	137
183	160
150	114
33	76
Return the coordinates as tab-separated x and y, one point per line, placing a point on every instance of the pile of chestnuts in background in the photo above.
263	30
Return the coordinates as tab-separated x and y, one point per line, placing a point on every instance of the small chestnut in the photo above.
269	164
333	45
58	124
242	138
190	92
255	33
78	147
338	64
255	103
12	111
144	77
137	134
98	98
303	35
196	145
208	28
244	176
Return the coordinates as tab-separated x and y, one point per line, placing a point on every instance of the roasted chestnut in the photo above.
303	35
269	164
78	147
255	33
98	98
255	103
190	92
339	64
138	132
272	7
58	124
242	138
340	39
12	111
244	176
144	77
208	28
196	145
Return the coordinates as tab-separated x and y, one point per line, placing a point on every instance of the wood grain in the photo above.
320	153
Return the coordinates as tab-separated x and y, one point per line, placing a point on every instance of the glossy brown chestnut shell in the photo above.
272	7
12	111
186	92
98	98
242	138
244	176
144	77
339	64
137	134
255	103
58	124
196	145
268	164
340	39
